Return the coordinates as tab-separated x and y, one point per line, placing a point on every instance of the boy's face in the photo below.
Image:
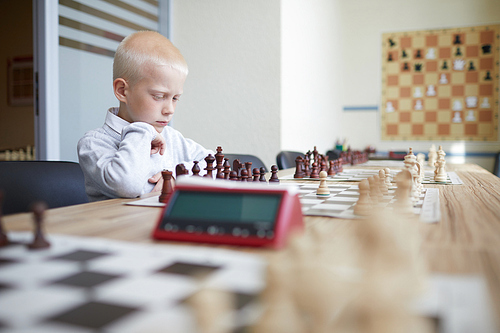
153	98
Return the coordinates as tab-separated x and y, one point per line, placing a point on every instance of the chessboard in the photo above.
357	175
99	285
441	84
343	197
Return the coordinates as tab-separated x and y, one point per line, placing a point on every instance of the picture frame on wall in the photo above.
20	81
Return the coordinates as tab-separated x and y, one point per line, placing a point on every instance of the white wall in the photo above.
310	75
232	93
363	22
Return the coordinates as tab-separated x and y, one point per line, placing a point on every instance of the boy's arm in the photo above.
119	168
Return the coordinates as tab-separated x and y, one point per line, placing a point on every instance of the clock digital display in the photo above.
224	207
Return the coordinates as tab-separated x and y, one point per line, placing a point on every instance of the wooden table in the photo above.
465	241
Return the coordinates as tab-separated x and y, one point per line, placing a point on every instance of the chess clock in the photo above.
229	212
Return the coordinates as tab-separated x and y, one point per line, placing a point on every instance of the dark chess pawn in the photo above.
227	168
256	174
274	175
233	175
244	175
167	188
263	175
196	169
39	241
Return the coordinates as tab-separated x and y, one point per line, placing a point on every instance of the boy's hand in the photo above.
158	179
158	145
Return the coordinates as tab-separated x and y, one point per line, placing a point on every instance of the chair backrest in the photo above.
56	183
256	162
286	159
496	167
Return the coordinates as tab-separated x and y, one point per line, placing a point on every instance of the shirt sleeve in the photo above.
117	169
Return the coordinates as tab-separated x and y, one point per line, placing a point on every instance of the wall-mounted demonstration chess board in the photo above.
441	84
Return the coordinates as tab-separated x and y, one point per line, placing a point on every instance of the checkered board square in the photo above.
342	199
441	84
98	285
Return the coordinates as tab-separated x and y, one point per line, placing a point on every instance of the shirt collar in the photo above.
114	122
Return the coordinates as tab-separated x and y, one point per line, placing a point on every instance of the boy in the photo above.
125	157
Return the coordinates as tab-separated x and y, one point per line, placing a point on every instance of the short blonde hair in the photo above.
145	47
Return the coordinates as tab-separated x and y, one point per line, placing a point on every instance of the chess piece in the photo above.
314	172
4	240
470	116
331	169
488	76
418	92
248	166
471	66
363	206
431	90
375	193
458	64
457	105
443	79
485	104
387	177
256	174
274	175
244	175
233	175
389	107
299	166
382	184
432	156
211	309
210	165
219	157
262	175
421	158
471	101
39	241
445	66
167	188
410	162
323	189
227	168
180	170
237	165
440	174
457	118
196	169
403	202
431	53
418	105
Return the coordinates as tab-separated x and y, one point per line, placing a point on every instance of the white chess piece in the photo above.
418	105
432	156
470	116
485	104
471	101
410	162
457	118
389	107
323	189
431	91
418	92
440	174
443	79
387	177
457	105
458	64
431	53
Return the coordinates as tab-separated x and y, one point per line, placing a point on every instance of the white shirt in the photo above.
117	162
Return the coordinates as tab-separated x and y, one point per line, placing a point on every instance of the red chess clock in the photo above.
229	212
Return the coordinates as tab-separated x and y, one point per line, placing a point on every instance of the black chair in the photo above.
56	183
496	167
256	162
286	159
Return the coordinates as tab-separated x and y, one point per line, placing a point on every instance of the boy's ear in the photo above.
119	88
